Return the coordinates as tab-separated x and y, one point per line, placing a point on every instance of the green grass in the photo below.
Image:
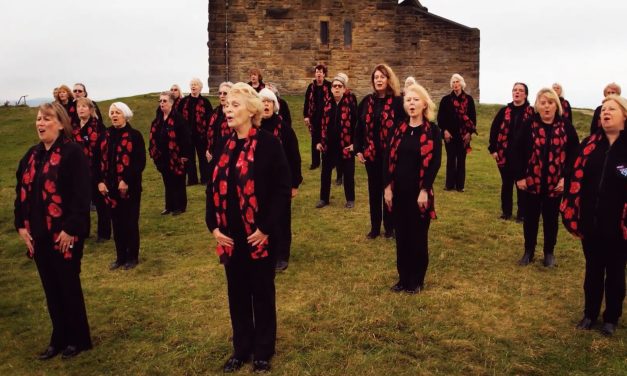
481	314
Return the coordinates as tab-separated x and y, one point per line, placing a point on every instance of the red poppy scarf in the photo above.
222	128
122	160
89	145
502	140
387	122
311	103
556	157
461	109
175	164
346	138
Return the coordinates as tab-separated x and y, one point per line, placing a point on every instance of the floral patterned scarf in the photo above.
198	123
89	143
122	161
346	138
245	167
556	157
426	153
217	122
502	141
387	122
175	164
461	109
311	102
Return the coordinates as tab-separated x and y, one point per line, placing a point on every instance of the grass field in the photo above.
480	314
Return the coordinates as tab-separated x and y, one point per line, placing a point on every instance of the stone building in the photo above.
285	39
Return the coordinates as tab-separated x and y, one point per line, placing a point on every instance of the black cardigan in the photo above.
190	103
272	185
359	142
290	146
447	115
183	139
524	145
319	100
595	124
73	184
515	127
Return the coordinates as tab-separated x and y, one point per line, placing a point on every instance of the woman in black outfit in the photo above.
87	131
122	161
273	123
335	141
377	114
611	89
317	94
51	216
567	113
218	128
170	149
196	111
505	130
542	155
458	121
67	100
250	189
256	79
595	209
411	167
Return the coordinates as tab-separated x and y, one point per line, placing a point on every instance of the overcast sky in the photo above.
126	47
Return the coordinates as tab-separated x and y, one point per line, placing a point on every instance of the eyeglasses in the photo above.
338	86
163	100
222	93
77	90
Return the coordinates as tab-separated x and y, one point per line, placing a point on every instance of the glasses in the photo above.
222	93
77	90
163	101
338	86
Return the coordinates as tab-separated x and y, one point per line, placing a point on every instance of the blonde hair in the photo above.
622	102
394	86
429	111
612	85
252	100
552	96
57	110
89	103
458	77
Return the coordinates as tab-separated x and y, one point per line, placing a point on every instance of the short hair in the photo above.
611	85
89	103
255	71
66	89
458	77
560	86
523	85
394	86
196	81
228	84
169	94
551	95
410	81
126	111
83	86
621	101
322	67
57	110
252	100
267	94
55	94
429	111
272	86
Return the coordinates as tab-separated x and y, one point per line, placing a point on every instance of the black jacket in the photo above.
360	130
290	146
183	139
447	115
515	127
272	184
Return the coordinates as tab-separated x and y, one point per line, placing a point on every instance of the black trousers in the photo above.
606	259
549	208
175	190
335	160
283	237
412	245
455	163
125	219
507	197
252	304
103	213
62	285
315	129
374	170
199	146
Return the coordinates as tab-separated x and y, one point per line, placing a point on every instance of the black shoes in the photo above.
389	234
281	266
549	260
505	217
372	235
585	324
178	212
526	259
460	190
115	265
261	366
608	329
339	181
313	167
349	204
49	353
321	204
70	352
398	287
130	264
232	365
165	212
101	240
414	290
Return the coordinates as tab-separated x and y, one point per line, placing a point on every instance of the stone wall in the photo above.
283	40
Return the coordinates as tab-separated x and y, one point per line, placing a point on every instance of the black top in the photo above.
334	128
190	103
515	127
318	98
272	184
604	188
290	146
361	130
235	228
162	139
407	174
524	146
447	115
133	173
284	111
73	184
595	124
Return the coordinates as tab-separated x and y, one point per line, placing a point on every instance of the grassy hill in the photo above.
480	313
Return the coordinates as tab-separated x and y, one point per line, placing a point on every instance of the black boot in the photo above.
526	259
